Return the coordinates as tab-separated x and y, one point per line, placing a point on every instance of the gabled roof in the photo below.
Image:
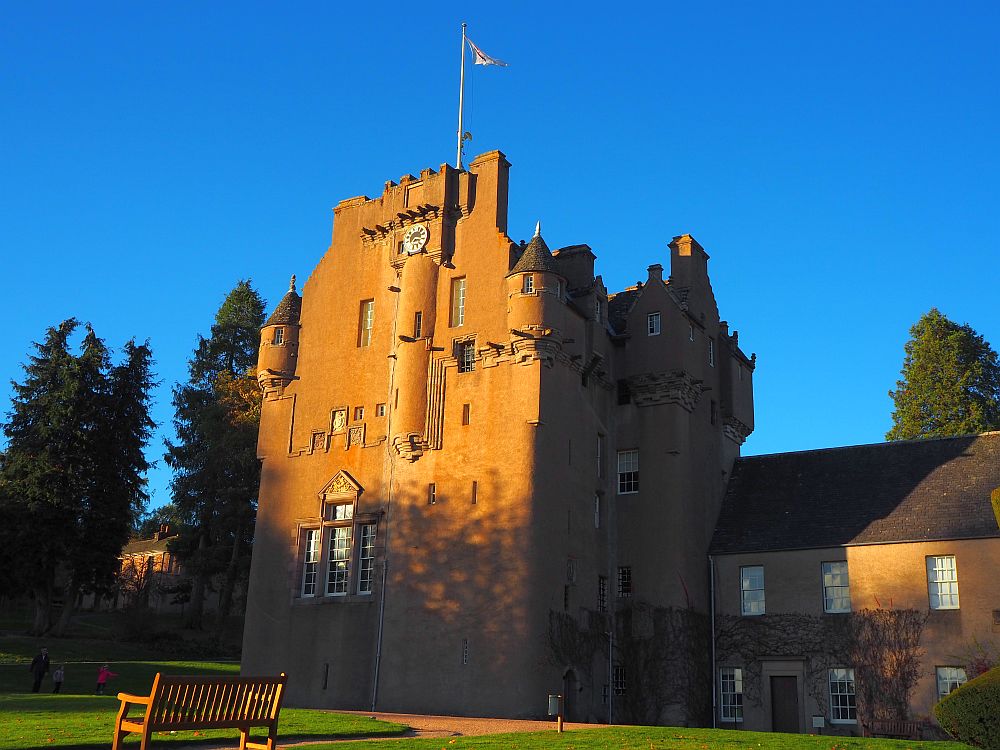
147	546
915	490
536	258
288	310
619	306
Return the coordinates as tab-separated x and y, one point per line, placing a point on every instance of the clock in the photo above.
414	239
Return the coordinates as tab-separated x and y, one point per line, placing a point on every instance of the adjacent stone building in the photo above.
811	544
478	463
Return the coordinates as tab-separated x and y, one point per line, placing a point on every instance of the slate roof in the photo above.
619	305
915	490
287	311
536	258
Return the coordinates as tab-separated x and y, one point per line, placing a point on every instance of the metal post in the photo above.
461	103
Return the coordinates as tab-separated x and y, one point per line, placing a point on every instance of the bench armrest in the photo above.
126	698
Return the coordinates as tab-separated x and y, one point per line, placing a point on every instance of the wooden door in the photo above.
784	704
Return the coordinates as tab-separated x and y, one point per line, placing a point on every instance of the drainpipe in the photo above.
711	593
390	407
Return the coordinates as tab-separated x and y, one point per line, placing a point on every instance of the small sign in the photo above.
819	722
554	705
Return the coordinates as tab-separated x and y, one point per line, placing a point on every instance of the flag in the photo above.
482	58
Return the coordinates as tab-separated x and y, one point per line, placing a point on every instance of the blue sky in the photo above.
839	163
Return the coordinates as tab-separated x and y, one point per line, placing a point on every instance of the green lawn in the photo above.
133	676
30	722
643	738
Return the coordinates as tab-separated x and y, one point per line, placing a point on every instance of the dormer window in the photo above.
279	336
527	284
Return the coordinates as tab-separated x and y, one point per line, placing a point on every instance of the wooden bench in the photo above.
893	729
179	702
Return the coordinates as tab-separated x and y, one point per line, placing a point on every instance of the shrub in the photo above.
970	714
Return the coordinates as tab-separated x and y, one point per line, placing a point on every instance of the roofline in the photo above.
845	545
881	444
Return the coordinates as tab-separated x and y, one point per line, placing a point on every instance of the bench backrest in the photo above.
185	701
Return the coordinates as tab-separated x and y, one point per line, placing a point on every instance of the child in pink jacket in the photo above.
103	675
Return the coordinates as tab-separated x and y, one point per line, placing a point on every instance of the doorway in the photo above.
570	688
784	704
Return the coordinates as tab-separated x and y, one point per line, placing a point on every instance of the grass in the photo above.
32	722
643	738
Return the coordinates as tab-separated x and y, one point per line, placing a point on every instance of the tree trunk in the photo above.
229	580
43	611
70	594
198	586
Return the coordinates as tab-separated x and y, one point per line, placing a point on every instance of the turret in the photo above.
535	290
279	344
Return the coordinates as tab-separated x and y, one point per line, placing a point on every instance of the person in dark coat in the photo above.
39	667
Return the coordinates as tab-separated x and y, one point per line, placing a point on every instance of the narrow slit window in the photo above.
418	324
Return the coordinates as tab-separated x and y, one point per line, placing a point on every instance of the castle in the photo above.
487	479
462	436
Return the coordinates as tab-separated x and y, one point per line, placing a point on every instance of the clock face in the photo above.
415	239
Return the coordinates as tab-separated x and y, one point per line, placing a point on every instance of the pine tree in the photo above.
71	480
949	385
216	471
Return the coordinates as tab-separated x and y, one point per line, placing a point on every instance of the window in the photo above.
605	693
597	309
339	561
942	582
458	302
366	322
310	562
597	511
571	570
432	493
713	411
527	284
843	707
628	472
618	680
465	651
418	324
836	589
366	559
565	598
948	679
466	355
466	413
359	413
624	582
690	332
653	324
379	410
279	336
731	694
475	492
624	393
752	589
600	456
602	593
338	512
711	352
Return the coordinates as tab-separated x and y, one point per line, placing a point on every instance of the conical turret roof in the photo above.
536	257
288	310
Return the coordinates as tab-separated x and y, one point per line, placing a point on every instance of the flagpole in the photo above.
461	103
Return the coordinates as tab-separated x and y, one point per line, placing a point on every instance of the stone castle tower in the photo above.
469	446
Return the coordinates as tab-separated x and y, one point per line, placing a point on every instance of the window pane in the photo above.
752	589
458	302
836	589
339	561
843	706
366	559
942	582
310	562
948	679
628	472
731	690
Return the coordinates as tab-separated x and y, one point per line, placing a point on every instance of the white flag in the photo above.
482	58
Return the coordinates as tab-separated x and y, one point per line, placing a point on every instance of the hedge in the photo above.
971	714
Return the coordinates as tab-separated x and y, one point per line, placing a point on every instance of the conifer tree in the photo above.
949	385
214	458
72	478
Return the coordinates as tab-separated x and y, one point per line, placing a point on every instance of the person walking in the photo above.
39	667
103	675
58	675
